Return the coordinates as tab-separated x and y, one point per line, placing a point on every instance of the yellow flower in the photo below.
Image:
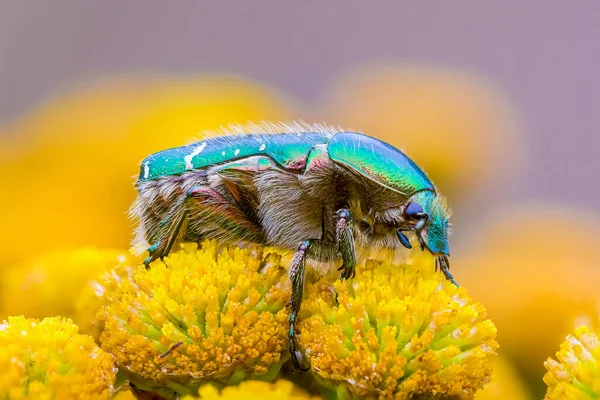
576	374
552	280
49	360
254	390
46	285
216	314
397	330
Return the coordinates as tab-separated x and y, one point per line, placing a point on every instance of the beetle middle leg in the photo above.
297	275
344	244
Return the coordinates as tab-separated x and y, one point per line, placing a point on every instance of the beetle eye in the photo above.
413	210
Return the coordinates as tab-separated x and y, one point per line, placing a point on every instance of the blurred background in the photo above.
499	103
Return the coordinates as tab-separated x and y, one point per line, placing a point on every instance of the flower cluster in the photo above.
576	372
215	314
397	330
49	359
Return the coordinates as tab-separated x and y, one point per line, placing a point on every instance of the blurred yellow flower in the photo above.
576	373
457	127
535	278
93	296
46	285
505	384
124	395
397	330
216	314
70	166
49	359
254	390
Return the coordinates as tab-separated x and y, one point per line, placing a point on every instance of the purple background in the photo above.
545	55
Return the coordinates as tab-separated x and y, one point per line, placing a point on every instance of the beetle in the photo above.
319	190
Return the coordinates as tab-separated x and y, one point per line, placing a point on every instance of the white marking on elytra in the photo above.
189	157
222	153
237	151
262	147
146	169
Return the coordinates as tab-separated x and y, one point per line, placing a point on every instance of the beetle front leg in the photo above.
444	265
173	223
345	242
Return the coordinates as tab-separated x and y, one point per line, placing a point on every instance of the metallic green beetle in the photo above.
322	191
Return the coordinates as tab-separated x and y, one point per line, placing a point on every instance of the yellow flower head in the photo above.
49	359
397	330
46	285
254	390
576	374
216	314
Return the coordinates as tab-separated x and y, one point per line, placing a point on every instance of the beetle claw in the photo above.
347	273
297	356
445	268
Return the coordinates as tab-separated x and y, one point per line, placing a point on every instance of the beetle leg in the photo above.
178	211
345	242
297	274
442	262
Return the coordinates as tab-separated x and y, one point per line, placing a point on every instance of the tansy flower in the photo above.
576	372
216	314
397	331
254	390
46	285
553	282
49	359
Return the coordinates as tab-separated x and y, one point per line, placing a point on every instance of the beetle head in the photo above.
427	215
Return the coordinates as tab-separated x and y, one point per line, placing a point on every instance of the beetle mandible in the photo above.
317	189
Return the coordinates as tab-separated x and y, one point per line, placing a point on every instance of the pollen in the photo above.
397	331
213	314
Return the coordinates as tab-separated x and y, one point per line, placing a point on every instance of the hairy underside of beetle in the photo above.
268	206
